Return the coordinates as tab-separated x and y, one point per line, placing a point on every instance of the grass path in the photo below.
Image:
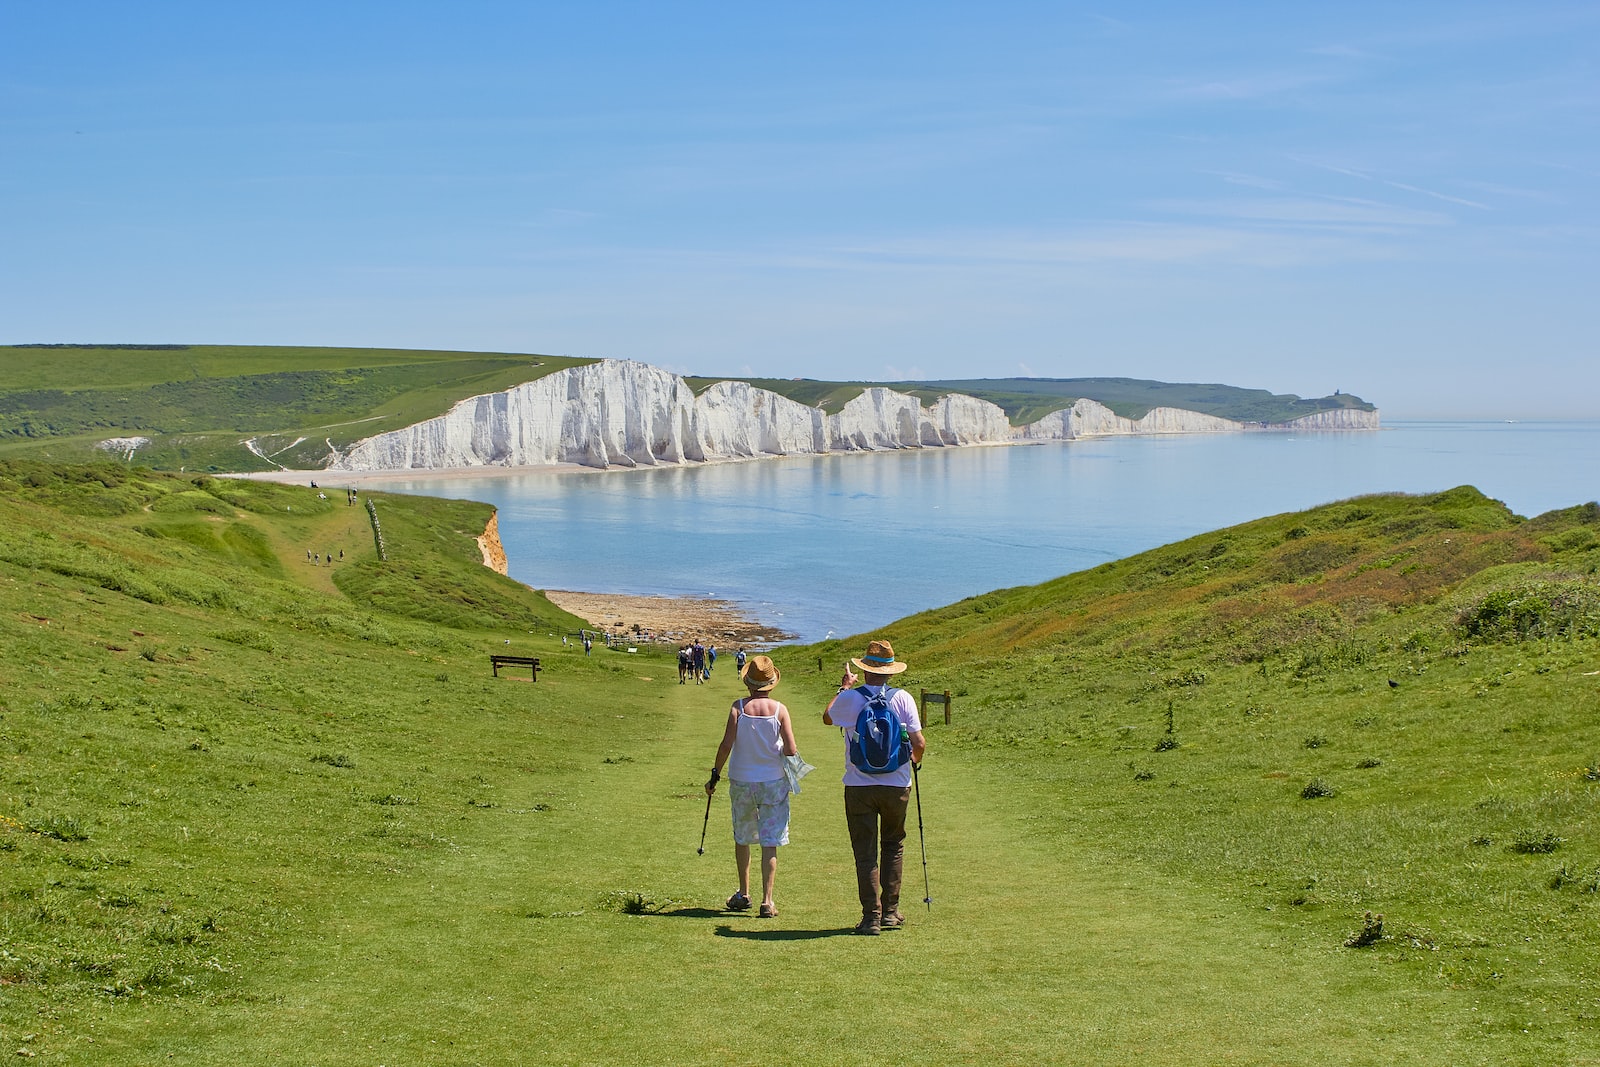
504	945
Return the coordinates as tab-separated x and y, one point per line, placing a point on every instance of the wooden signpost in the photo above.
935	698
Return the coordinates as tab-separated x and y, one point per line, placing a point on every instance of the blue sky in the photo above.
1395	200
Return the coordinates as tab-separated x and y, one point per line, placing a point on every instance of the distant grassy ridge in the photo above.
259	807
198	404
1027	400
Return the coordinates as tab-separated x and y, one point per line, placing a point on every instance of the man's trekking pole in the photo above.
916	785
702	850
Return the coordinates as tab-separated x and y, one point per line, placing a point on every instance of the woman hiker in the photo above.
758	737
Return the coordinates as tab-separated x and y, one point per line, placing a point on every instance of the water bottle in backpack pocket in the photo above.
879	745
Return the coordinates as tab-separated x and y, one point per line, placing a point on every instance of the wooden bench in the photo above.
530	662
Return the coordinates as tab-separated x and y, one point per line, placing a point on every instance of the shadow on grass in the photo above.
782	935
692	913
749	935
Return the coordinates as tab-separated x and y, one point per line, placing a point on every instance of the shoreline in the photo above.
340	479
669	619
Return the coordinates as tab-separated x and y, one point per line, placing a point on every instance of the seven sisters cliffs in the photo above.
621	413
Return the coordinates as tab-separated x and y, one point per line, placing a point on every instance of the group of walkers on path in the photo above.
696	660
883	747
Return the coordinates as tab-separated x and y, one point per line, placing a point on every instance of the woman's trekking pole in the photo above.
916	784
702	850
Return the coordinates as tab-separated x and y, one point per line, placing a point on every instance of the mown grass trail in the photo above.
510	944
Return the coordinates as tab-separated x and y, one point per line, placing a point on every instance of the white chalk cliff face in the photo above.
619	413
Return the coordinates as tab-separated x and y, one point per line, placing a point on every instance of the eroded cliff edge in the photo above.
629	414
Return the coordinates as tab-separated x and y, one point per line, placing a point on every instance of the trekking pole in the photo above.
916	785
702	850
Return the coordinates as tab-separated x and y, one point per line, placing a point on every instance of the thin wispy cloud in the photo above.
1365	176
1250	87
1309	211
1130	243
1344	51
1250	180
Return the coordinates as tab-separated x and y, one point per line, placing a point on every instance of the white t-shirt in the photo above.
844	711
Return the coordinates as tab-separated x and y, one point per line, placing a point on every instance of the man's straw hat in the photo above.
879	659
760	673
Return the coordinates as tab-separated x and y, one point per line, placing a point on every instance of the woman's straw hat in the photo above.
760	673
879	659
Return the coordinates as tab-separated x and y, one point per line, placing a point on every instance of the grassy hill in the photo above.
198	402
255	808
199	405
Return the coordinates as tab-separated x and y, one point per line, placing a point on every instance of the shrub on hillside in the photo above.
1555	606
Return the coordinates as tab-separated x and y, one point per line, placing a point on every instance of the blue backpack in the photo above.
880	742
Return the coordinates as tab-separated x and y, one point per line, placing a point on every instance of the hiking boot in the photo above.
893	920
870	925
738	902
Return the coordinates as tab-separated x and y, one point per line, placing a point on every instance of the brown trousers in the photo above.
877	813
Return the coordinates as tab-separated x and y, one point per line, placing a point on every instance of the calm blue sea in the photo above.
842	544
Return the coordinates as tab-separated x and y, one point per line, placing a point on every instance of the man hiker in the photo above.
883	738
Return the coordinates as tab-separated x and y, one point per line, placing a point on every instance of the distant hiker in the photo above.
697	660
757	738
683	664
738	660
711	659
341	555
588	645
883	736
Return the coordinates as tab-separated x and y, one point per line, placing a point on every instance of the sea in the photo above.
842	544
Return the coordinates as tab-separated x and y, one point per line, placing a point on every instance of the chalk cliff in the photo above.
1337	419
629	414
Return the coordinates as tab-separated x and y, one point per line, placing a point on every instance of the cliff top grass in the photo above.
1320	788
235	408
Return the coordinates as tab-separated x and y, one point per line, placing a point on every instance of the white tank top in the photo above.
757	748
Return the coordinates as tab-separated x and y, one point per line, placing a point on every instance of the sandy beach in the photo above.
670	619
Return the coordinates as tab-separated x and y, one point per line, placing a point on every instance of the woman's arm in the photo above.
786	729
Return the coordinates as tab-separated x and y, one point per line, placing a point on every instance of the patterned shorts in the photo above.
760	812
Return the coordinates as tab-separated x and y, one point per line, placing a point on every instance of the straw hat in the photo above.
879	659
760	674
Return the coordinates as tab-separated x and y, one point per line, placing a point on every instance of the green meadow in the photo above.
1318	789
